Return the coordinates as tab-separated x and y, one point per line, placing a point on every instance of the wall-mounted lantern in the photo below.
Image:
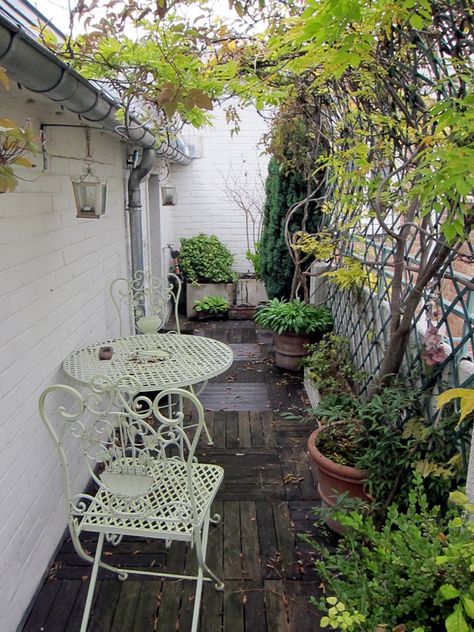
169	194
90	193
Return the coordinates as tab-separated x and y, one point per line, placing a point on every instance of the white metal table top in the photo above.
157	361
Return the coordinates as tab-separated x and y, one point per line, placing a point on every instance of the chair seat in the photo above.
163	512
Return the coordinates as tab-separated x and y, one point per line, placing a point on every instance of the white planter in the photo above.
197	291
311	390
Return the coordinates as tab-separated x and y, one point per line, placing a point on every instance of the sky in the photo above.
55	10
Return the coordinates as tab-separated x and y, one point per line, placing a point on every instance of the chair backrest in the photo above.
148	299
126	442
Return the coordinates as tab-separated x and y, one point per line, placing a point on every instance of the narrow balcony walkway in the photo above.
266	501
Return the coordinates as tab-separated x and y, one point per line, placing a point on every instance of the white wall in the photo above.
54	276
203	205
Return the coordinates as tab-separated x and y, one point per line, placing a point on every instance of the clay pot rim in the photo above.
326	463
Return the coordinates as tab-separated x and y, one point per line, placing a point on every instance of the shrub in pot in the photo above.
387	437
211	307
413	575
294	324
206	264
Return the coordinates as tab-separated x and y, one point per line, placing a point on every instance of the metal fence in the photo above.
364	317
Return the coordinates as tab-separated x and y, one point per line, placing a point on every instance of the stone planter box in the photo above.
197	291
242	312
250	292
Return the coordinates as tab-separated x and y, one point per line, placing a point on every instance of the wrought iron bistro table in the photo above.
156	361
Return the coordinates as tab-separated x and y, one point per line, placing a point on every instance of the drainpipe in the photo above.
135	207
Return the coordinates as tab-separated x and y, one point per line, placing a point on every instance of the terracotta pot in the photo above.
334	479
290	349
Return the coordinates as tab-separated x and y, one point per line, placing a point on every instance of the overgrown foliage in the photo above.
205	259
295	317
414	575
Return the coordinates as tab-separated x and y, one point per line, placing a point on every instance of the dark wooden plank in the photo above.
270	556
268	428
233	607
211	609
250	544
254	607
42	606
256	429
124	616
232	396
170	599
232	430
104	609
286	540
147	605
246	351
218	434
244	430
232	562
276	608
302	614
63	605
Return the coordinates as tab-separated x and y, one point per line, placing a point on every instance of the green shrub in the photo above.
415	573
295	317
282	191
205	259
330	366
212	305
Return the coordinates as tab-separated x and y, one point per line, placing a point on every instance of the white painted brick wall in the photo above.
54	276
203	205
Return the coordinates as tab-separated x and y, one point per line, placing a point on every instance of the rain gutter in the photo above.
39	70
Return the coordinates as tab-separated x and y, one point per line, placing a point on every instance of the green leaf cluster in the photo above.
295	316
205	259
416	572
212	305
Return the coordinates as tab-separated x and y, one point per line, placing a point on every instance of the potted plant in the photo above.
414	574
295	324
369	448
206	264
211	307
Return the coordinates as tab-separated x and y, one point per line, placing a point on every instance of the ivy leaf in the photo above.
456	621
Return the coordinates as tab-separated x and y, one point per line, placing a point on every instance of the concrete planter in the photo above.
250	292
197	291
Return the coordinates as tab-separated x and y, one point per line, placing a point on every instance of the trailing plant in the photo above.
413	575
329	365
205	259
294	316
212	305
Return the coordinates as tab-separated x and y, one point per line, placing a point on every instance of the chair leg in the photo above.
90	592
197	392
122	575
200	542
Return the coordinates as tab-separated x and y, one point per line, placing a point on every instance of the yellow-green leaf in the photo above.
23	162
456	621
4	80
468	604
466	396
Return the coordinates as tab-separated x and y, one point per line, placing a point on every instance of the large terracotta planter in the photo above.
290	349
334	479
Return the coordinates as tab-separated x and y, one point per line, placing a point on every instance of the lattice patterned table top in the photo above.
184	360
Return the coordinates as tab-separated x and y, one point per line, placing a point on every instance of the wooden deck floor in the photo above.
266	501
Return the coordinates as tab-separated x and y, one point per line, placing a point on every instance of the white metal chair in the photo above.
147	297
147	480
